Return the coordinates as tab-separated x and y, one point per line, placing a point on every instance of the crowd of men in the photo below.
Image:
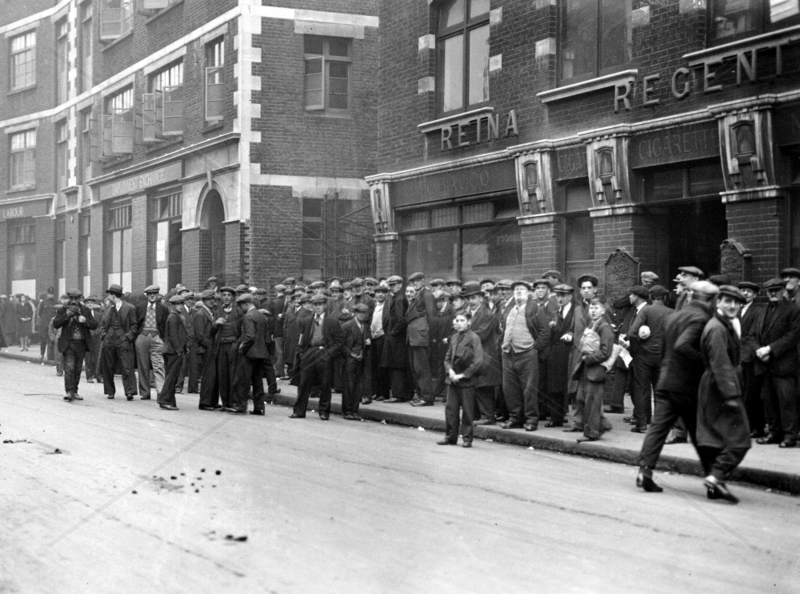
720	367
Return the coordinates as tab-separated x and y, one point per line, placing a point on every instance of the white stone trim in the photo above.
164	60
329	29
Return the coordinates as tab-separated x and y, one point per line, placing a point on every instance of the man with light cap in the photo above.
681	370
252	353
118	330
421	310
176	345
227	328
76	323
687	275
151	318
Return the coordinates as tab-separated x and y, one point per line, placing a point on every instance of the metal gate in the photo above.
348	249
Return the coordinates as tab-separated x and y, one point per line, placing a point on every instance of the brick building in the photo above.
165	141
591	137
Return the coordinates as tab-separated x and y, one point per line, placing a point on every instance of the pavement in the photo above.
765	466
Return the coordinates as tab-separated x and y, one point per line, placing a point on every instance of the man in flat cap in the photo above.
204	331
117	333
151	319
687	275
76	323
421	310
792	278
227	329
252	354
278	308
189	367
644	365
751	317
176	345
355	342
92	358
395	350
562	344
381	376
548	305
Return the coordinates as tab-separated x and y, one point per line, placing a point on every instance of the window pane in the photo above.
338	85
495	251
478	7
733	17
477	213
616	33
666	184
116	252
313	45
160	257
479	65
339	46
452	15
578	197
312	207
452	63
578	38
580	239
127	255
706	179
444	217
435	253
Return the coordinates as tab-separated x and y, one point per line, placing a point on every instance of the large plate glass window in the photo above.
119	234
167	254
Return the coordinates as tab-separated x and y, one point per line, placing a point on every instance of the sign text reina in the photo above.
482	128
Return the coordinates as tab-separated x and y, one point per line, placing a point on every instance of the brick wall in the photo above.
633	233
276	241
541	248
387	258
234	234
760	226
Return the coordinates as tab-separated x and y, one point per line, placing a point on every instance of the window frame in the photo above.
598	71
86	43
163	104
22	233
326	58
118	124
214	82
123	9
28	166
62	154
762	16
463	29
29	75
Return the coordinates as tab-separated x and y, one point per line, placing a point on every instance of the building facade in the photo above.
587	136
166	141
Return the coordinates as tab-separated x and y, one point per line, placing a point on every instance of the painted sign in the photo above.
477	130
447	185
571	163
29	209
674	145
137	183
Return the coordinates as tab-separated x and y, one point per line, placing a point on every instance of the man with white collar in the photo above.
117	332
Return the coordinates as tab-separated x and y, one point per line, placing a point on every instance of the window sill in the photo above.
163	11
21	90
21	189
162	145
451	120
587	86
212	126
107	45
343	115
114	161
754	42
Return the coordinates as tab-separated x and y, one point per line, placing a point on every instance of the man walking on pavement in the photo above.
151	319
176	345
76	323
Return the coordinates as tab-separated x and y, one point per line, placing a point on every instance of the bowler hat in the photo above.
749	285
471	288
115	289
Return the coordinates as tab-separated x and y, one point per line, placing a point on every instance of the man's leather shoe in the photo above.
511	425
296	416
348	417
277	391
788	443
258	413
769	439
675	439
583	438
168	407
553	424
466	444
237	411
572	430
76	396
718	490
530	427
110	396
638	429
145	398
445	442
324	417
204	407
485	422
647	483
69	397
129	396
421	403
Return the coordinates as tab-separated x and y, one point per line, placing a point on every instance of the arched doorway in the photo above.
212	237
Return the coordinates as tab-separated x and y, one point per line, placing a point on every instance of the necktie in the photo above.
316	319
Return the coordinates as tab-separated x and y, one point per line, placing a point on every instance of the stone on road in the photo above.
141	499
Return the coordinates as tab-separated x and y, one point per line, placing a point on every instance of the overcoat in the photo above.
484	324
395	350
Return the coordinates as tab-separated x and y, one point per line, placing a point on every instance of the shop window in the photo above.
436	254
60	253
86	54
22	161
676	183
22	250
312	236
85	252
477	213
23	61
118	125
215	80
730	20
162	107
415	220
116	19
62	61
595	38
462	62
494	251
62	155
165	215
444	217
119	240
327	73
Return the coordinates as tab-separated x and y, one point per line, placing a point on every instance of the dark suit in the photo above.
464	356
779	329
206	355
490	375
418	316
441	329
558	361
647	354
226	340
189	368
176	344
250	361
751	320
316	362
395	348
74	341
354	350
117	333
149	346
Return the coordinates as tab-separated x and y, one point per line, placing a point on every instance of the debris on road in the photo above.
218	472
236	538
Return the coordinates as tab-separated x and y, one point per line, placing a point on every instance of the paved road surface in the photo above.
346	507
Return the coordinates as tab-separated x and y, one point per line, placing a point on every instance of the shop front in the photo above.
24	258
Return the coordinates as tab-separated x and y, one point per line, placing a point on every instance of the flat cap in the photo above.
227	289
504	284
658	292
317	285
453	281
361	307
381	289
704	288
553	273
347	285
371	281
588	277
153	289
93	298
212	279
693	270
647	275
471	288
437	282
289	280
394	279
337	288
540	281
242	288
563	288
318	299
261	291
116	289
775	283
74	293
357	282
442	296
720	279
184	290
176	299
521	283
207	294
305	298
749	285
794	272
639	291
732	292
487	280
280	287
244	298
416	276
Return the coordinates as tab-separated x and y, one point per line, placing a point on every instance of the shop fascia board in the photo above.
752	194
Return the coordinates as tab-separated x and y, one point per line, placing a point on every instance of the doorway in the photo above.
213	235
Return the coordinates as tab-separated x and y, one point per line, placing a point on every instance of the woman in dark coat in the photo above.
723	432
